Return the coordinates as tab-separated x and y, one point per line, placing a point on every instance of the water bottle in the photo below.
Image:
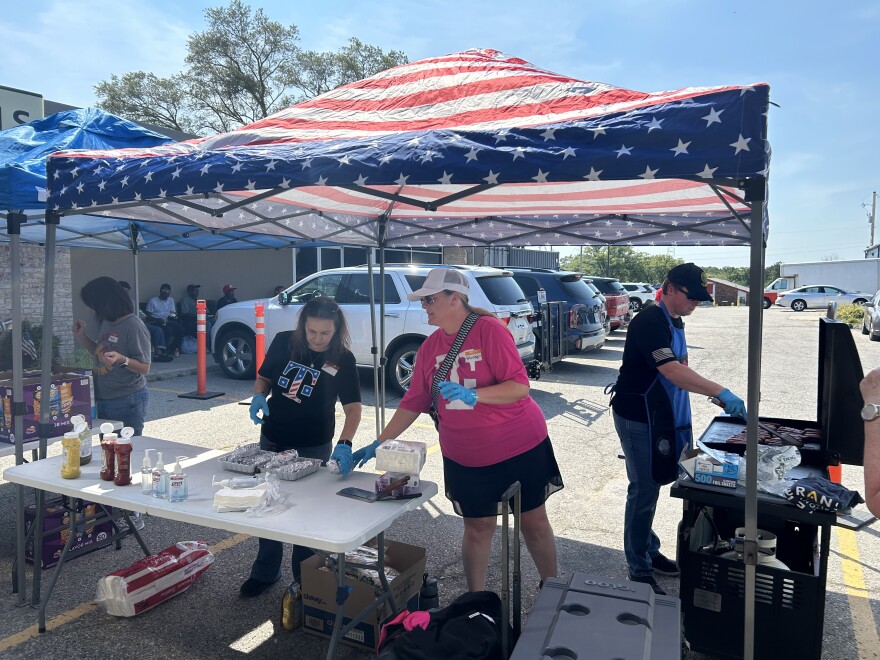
429	599
292	607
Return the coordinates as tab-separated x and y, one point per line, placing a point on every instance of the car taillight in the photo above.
531	318
505	319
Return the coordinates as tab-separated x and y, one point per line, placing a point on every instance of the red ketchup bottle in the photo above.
122	450
108	457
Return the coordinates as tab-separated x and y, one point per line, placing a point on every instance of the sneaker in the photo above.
252	587
649	580
665	566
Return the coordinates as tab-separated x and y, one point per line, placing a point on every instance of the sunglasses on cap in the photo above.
687	294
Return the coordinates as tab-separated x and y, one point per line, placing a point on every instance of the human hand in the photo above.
732	404
455	392
364	454
259	404
343	457
109	358
870	387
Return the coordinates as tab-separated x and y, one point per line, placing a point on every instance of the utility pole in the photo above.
873	216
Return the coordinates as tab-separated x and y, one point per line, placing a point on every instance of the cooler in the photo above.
588	616
789	603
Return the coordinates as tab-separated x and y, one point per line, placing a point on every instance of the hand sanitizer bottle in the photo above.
160	479
178	490
147	474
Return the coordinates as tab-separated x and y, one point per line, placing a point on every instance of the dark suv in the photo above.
583	310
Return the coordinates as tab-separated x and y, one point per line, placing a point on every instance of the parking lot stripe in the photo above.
864	628
81	610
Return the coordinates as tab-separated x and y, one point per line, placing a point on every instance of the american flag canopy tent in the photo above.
472	148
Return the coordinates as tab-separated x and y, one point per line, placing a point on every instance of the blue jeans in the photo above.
130	409
267	566
640	543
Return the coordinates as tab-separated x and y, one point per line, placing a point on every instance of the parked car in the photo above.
639	294
817	296
616	300
583	312
406	324
871	318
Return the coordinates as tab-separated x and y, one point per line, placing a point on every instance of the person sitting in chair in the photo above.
161	311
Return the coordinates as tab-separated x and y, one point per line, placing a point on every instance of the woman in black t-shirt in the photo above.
304	373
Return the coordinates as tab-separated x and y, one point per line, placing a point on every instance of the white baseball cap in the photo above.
440	279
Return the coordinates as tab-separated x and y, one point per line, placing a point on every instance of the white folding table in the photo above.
315	517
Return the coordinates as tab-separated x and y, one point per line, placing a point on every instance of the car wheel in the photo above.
872	333
237	351
865	330
400	367
859	301
767	303
635	305
798	305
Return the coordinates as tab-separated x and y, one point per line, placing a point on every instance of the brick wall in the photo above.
32	283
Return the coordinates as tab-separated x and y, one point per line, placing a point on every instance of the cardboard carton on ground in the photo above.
70	393
319	595
56	528
710	467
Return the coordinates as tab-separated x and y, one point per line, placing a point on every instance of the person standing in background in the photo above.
121	352
870	388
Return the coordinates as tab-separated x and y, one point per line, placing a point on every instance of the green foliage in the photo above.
36	334
240	69
851	314
630	265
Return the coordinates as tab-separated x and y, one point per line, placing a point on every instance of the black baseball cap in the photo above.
693	278
165	287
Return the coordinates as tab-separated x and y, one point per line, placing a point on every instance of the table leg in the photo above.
133	531
386	589
39	517
340	606
18	575
44	601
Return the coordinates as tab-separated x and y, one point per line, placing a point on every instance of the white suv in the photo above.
406	324
639	294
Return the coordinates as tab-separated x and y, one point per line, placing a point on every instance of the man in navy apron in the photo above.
652	413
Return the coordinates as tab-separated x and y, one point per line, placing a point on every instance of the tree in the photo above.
242	68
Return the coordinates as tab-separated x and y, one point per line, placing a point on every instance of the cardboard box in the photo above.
70	393
57	520
710	467
319	595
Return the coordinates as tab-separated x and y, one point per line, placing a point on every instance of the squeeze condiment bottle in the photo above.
106	427
108	457
85	438
123	459
70	466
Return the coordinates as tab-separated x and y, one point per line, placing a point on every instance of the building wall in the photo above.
32	288
727	295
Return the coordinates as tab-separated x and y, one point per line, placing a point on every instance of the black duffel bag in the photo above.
467	628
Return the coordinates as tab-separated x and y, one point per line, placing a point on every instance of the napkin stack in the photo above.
241	499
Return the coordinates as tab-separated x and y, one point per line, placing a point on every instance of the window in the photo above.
812	289
577	289
357	290
501	289
324	285
528	284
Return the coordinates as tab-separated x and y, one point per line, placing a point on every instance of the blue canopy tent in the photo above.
473	148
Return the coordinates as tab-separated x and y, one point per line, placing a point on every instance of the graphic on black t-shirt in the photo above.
292	388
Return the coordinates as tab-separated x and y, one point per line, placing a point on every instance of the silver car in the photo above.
817	296
871	318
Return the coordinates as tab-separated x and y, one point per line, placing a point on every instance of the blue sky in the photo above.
820	59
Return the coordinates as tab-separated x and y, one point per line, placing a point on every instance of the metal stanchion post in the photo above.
201	356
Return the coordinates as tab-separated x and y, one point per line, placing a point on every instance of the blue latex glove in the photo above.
364	454
733	405
455	392
258	404
342	455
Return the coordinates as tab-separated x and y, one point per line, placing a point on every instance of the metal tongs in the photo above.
787	439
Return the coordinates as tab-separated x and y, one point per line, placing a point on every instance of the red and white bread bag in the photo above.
154	579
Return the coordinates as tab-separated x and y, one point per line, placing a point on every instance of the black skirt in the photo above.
475	492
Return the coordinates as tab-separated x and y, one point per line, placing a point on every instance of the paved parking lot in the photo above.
210	621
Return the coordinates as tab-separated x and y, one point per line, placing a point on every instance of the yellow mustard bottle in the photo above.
70	444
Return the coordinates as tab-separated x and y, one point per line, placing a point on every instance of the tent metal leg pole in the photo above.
374	349
383	361
13	226
755	194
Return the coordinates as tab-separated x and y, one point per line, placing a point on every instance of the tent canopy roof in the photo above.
24	149
469	148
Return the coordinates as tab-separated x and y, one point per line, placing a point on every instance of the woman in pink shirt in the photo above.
492	433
